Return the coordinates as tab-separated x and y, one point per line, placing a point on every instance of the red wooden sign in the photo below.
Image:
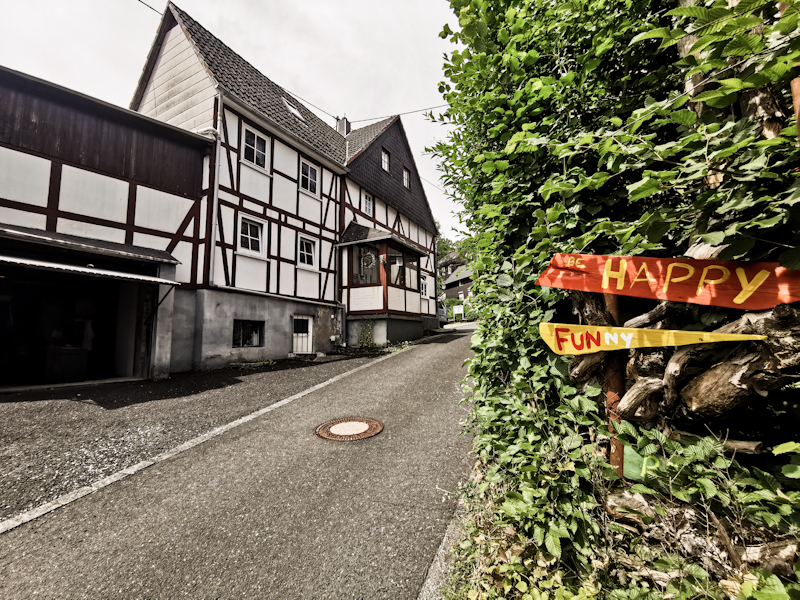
756	286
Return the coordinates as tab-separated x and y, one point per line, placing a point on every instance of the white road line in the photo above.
98	485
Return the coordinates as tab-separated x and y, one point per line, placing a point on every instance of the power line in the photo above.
433	184
307	102
150	7
402	113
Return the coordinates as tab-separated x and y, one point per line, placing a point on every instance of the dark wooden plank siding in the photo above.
51	123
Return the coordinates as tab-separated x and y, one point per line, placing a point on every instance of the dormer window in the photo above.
384	160
407	178
292	109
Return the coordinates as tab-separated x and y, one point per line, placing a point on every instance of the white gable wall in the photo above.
180	91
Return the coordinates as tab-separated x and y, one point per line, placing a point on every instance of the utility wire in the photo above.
307	102
150	7
433	184
402	113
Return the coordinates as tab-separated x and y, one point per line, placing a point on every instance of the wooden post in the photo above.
795	84
615	389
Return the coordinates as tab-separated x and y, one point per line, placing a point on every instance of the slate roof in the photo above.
242	80
365	169
458	274
359	139
249	85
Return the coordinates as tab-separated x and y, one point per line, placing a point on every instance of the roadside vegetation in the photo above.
622	127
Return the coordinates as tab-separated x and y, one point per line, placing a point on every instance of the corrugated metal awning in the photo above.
73	242
91	271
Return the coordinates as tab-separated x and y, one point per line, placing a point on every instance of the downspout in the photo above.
215	199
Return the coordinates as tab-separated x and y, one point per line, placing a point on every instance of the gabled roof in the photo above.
359	139
452	258
239	79
458	274
246	83
365	169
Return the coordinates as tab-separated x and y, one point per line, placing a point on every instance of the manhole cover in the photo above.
349	428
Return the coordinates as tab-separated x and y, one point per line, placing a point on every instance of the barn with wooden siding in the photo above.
98	223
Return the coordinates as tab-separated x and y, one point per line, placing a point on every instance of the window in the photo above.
396	271
293	109
403	268
309	176
366	265
255	149
385	160
412	272
306	252
250	236
423	285
248	334
368	204
406	178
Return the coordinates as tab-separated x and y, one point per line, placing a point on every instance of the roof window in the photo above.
292	109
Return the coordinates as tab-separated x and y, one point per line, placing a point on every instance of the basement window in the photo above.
248	334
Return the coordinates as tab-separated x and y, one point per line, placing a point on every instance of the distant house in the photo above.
217	221
456	276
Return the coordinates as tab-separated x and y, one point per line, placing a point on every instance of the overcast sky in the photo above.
359	58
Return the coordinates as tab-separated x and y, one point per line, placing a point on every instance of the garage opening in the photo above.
71	315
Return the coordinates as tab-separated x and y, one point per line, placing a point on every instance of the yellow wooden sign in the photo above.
586	339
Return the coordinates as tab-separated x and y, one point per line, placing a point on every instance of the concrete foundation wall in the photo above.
381	331
402	330
208	328
183	320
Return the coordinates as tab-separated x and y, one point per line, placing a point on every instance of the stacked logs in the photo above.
659	378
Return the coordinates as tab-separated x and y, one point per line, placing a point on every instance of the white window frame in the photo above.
267	150
315	246
386	159
423	285
407	178
262	253
369	205
318	180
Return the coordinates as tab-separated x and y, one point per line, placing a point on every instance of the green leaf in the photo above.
791	471
790	259
505	280
642	189
684	117
786	447
715	238
553	544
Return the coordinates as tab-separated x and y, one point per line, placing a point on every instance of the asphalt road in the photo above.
268	510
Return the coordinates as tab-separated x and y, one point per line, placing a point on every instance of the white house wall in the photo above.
180	91
386	218
24	177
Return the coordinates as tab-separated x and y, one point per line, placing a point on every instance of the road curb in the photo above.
30	515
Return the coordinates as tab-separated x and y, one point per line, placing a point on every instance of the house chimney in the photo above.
343	126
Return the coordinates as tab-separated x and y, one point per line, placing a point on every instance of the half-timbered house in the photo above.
217	221
316	235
